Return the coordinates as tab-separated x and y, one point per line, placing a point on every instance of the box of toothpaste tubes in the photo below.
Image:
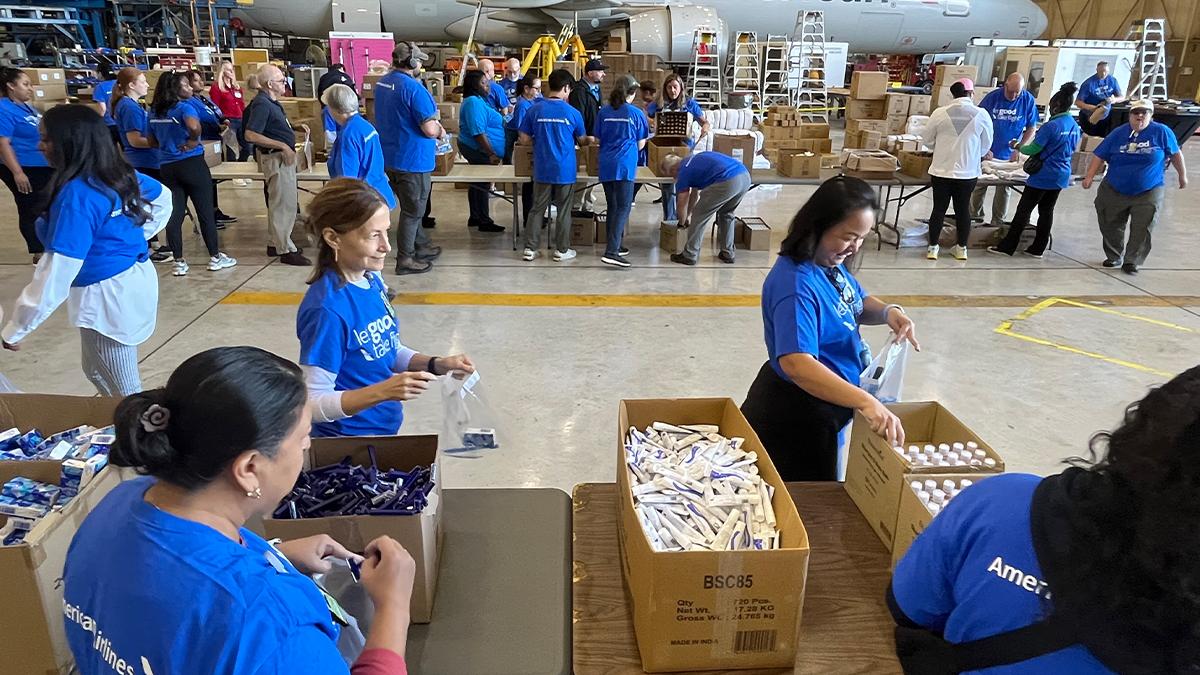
53	472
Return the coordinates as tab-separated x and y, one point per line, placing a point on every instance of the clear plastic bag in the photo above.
469	424
884	378
7	387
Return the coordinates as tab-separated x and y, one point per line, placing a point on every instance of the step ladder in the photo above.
807	60
742	72
775	89
706	68
1150	70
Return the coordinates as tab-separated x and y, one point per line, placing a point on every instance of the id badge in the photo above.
335	609
1131	148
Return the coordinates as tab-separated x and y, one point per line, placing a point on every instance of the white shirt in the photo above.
960	134
123	307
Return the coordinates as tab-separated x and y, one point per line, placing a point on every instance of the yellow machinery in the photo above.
547	50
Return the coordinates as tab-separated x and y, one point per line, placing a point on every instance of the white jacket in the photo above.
959	134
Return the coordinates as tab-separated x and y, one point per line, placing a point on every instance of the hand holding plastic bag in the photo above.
469	425
884	377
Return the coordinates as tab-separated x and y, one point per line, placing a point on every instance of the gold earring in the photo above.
255	493
335	255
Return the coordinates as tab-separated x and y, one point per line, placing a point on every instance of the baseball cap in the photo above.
966	83
626	82
405	51
594	64
1141	104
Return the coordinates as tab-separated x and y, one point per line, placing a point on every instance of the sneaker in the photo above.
623	250
726	257
180	268
429	253
959	252
682	259
220	261
224	217
1111	263
429	223
407	265
294	259
1129	268
615	261
562	256
529	254
997	251
1031	254
931	253
492	227
273	253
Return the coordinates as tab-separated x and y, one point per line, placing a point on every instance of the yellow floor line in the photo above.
715	300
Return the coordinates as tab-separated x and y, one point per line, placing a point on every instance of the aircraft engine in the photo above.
668	31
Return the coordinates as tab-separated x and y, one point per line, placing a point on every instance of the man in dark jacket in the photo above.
585	97
335	75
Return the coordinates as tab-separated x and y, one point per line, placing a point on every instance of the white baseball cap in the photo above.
1141	104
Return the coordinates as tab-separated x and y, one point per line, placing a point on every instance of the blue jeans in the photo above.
618	194
668	197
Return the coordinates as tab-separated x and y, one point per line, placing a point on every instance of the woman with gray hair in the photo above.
356	151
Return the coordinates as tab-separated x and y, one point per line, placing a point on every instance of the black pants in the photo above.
190	179
32	205
1044	200
479	194
945	191
799	431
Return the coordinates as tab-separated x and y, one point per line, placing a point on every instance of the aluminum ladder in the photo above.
807	61
1150	71
775	86
742	72
706	68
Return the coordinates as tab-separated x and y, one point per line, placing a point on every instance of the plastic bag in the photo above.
6	385
469	424
884	378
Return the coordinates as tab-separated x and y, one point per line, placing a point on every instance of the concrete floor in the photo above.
555	364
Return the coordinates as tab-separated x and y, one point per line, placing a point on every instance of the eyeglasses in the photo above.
279	81
1139	112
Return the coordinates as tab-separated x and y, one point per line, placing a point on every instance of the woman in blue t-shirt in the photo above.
1089	571
1054	144
163	574
357	370
175	130
212	125
132	128
674	98
1132	191
101	214
481	142
812	306
357	152
22	167
621	130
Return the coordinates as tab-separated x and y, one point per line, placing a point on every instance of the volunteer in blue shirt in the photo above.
101	214
212	125
1014	116
553	127
22	167
102	94
674	98
407	119
621	130
1054	144
1096	96
357	370
175	129
356	151
708	185
812	307
481	142
529	91
512	76
1088	571
1132	191
163	575
132	120
496	96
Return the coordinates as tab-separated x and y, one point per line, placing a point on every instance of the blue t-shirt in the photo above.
804	312
1009	118
703	169
172	133
19	124
356	153
1058	137
477	116
402	105
520	110
554	126
327	121
689	106
209	115
973	573
102	93
87	222
510	89
497	96
619	132
131	116
152	592
1094	90
1137	162
352	331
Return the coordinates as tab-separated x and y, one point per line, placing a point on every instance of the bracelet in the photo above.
889	308
432	367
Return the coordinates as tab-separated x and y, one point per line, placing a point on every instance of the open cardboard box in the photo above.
913	516
704	610
420	534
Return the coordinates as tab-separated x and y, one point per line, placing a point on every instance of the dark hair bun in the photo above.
147	451
1069	89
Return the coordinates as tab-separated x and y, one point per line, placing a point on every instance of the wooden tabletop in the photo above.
845	625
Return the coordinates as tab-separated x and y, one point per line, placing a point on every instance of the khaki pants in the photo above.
1114	210
282	200
999	203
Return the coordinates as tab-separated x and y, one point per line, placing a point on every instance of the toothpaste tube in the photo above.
98	444
21	489
11	507
77	473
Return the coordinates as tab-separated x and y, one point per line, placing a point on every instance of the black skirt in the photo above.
799	431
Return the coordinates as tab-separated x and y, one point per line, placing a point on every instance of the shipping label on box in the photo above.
913	516
898	104
50	93
704	610
44	76
875	471
868	85
738	147
857	109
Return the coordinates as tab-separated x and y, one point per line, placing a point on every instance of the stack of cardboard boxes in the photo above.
944	77
783	130
49	85
643	67
1083	154
866	110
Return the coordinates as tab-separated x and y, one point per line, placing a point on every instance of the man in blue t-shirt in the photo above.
512	75
1014	117
1095	99
553	127
497	95
409	128
710	184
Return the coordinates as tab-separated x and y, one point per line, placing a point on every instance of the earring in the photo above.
255	493
335	255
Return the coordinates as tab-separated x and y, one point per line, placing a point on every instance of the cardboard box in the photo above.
799	164
915	163
659	148
671	238
46	76
443	163
858	109
644	61
581	161
56	93
703	610
878	126
871	164
1080	162
420	534
592	160
583	230
912	516
299	108
817	145
831	160
367	88
979	92
615	43
739	147
602	228
1089	143
213	152
901	143
868	85
875	472
672	124
864	140
898	104
941	97
919	105
946	75
522	160
434	84
755	234
896	124
448	111
814	130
